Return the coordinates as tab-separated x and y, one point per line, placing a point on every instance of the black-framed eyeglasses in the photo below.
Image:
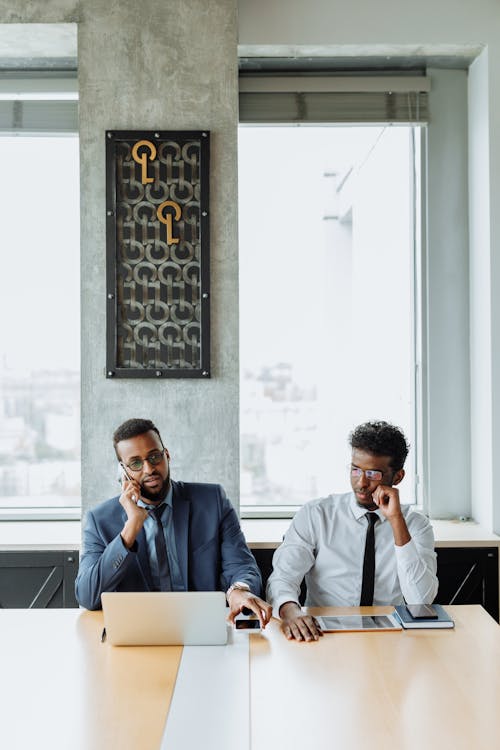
154	458
372	474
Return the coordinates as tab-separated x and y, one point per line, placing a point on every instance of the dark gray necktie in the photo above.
368	584
161	549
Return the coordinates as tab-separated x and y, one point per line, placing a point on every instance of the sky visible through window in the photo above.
40	311
326	325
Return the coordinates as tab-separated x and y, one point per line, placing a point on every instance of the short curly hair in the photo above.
131	428
381	439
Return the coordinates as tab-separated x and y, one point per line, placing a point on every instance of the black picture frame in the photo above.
157	254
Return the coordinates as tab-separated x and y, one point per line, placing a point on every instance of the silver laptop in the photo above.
161	618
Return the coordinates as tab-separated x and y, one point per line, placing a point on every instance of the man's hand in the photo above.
136	515
239	599
296	625
387	499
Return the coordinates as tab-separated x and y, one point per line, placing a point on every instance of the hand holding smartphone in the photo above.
125	477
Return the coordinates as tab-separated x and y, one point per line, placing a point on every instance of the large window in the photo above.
39	308
327	243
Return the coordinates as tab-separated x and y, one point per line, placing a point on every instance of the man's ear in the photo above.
398	477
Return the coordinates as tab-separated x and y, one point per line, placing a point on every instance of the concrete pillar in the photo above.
167	65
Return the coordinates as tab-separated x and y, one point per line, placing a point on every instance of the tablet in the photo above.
350	623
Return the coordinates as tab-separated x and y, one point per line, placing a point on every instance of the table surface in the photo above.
62	688
409	689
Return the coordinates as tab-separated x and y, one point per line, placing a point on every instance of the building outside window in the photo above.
327	320
40	312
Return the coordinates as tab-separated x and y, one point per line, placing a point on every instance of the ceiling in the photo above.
54	47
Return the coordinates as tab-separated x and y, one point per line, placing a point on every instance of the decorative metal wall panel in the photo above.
157	254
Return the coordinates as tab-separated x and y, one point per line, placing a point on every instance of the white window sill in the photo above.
40	514
24	532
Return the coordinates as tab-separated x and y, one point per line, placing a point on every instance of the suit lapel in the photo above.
181	507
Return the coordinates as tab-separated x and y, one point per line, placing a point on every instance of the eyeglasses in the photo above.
155	458
372	474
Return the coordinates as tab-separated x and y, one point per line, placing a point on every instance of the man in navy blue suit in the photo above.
161	535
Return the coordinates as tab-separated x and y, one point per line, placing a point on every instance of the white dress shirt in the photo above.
326	544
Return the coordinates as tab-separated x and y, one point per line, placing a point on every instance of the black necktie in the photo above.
161	549
368	584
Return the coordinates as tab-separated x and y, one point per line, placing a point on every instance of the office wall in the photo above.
445	286
392	27
168	65
481	291
447	23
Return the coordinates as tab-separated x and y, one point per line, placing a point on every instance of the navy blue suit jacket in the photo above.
211	548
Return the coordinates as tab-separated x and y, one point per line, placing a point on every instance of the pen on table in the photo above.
103	635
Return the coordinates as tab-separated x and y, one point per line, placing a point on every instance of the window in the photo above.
327	323
39	307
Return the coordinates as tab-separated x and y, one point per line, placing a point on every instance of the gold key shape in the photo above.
166	218
142	158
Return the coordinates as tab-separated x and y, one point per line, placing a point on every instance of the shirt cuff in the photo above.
133	548
277	603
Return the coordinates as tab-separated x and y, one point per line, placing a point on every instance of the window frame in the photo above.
288	511
52	98
442	367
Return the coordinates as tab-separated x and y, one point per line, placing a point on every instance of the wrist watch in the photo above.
239	586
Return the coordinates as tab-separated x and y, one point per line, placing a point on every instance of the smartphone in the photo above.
247	624
422	611
124	474
124	477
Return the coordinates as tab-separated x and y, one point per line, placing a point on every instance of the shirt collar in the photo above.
166	501
359	512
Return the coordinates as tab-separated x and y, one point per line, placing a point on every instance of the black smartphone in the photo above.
247	624
422	611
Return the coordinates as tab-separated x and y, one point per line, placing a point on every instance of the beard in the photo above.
157	495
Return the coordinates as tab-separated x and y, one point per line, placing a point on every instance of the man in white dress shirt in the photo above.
328	538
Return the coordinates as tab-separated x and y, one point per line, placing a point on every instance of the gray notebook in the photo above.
158	618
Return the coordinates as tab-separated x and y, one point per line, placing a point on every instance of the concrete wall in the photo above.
168	65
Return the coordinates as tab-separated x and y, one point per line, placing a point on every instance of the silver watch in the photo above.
239	586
